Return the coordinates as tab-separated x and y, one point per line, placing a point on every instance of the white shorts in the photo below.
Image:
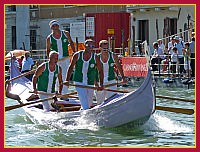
103	95
85	96
64	65
46	104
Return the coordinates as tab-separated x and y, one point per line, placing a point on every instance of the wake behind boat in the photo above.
131	109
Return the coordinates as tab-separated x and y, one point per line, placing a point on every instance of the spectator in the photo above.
192	49
180	46
27	64
157	57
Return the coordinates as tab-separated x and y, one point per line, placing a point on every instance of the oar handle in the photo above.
22	75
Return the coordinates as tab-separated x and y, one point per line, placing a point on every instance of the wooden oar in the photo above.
37	101
120	91
22	75
52	94
180	99
95	88
176	110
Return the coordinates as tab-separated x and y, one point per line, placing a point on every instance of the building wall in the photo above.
59	11
151	14
10	20
38	19
22	26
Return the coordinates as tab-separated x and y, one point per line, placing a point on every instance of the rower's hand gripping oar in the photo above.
37	101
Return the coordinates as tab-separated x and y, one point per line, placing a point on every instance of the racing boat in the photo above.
123	109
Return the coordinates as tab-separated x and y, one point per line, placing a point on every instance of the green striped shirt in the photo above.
85	70
60	45
47	80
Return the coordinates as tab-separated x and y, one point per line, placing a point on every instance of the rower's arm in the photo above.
119	66
60	80
100	69
71	66
48	45
38	72
70	41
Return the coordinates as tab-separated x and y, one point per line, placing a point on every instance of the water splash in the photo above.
161	123
77	123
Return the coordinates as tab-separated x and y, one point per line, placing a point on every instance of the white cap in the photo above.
53	22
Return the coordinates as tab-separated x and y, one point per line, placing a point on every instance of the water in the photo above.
163	129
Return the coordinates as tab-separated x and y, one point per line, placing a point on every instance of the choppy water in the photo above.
164	129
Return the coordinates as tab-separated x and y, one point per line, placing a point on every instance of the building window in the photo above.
33	39
66	28
170	26
11	8
33	6
14	46
143	30
69	6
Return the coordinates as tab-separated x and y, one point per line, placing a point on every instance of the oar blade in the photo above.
180	99
13	107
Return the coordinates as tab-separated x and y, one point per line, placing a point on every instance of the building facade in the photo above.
26	26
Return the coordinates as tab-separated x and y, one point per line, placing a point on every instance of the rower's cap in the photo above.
88	40
53	22
103	42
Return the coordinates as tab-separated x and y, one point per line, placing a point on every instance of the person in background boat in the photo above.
108	59
85	62
20	62
174	59
58	41
187	60
27	64
44	79
157	57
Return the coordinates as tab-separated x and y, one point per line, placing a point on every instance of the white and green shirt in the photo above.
60	45
47	80
108	67
85	71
